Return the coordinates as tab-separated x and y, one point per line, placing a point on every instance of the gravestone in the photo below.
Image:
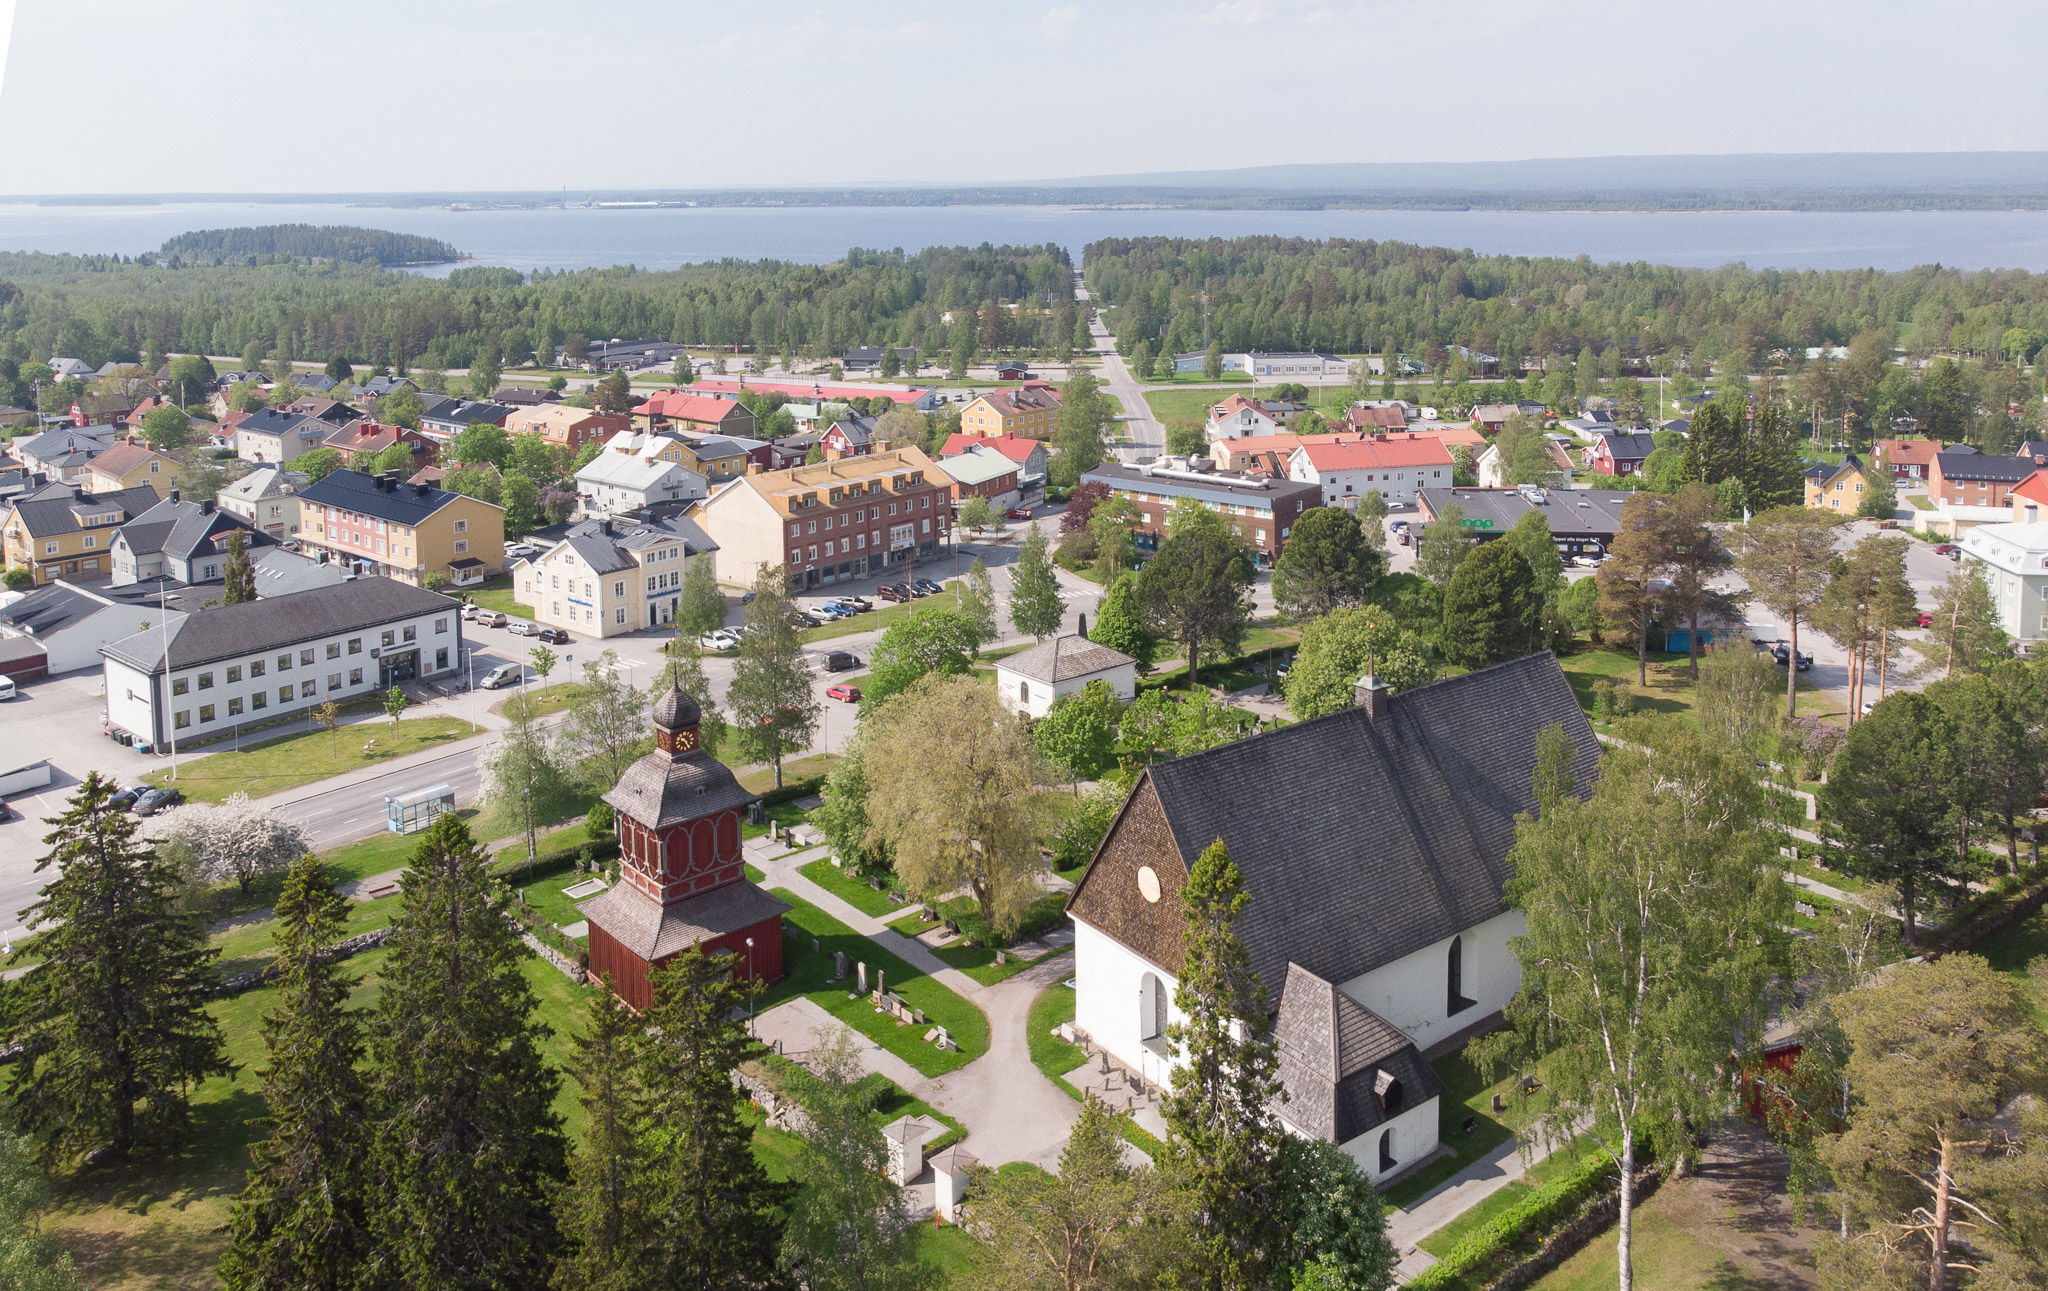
814	945
838	965
881	982
861	976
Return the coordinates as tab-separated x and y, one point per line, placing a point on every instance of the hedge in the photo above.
521	873
792	791
1486	1251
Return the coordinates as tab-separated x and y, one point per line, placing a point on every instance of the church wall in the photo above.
1415	1137
627	971
1411	992
1108	999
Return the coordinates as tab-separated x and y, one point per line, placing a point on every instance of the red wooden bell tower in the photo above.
682	882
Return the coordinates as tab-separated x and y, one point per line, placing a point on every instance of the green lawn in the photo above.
810	974
1050	1054
303	757
543	700
844	885
815	765
496	594
552	840
1467	1093
2012	948
1194	405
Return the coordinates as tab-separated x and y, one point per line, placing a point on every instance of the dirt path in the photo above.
1726	1228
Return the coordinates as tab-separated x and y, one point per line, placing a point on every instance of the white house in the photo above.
1373	844
71	621
1033	680
2014	558
609	577
630	474
186	541
278	437
267	498
1395	464
254	664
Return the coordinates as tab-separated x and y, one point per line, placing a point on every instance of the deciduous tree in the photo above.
1079	732
236	839
934	640
1037	606
1340	649
111	1012
29	1260
700	607
468	1151
1443	546
1195	589
238	576
607	720
774	712
1653	910
970	818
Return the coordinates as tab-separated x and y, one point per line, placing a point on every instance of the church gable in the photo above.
1116	896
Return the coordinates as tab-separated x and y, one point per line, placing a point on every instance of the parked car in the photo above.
722	639
894	592
1945	549
124	798
8	690
521	550
832	610
845	694
151	801
859	604
1017	513
841	661
523	628
1399	526
492	619
471	612
1780	653
816	618
505	674
1923	620
926	587
552	636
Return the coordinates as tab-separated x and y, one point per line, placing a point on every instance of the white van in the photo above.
505	674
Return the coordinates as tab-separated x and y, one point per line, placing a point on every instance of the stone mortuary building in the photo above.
1373	845
682	882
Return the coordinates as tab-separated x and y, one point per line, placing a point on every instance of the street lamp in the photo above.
753	984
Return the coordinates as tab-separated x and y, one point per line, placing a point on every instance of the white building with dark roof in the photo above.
1032	681
608	577
264	661
1373	846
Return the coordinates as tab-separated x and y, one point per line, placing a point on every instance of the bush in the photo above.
600	818
1523	1225
522	873
792	791
1612	699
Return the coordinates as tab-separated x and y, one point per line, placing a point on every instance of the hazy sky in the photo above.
354	95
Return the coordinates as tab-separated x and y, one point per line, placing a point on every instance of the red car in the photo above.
1945	549
846	694
1924	620
1017	513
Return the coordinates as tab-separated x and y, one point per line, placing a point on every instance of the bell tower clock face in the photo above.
686	741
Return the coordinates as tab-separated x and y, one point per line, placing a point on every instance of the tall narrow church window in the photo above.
1454	980
1387	1161
1151	1007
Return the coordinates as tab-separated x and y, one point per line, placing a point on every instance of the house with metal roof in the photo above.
375	524
606	577
64	453
238	667
62	531
634	473
983	473
69	622
275	437
1373	845
185	541
1032	681
1261	508
1582	522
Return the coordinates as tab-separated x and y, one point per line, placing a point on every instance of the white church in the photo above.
1373	845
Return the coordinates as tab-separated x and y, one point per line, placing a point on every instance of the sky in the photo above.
409	95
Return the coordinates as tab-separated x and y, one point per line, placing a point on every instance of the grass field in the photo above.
810	974
1557	1163
2012	948
1050	1054
1194	405
543	700
496	594
288	761
856	893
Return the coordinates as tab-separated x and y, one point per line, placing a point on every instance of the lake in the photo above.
666	237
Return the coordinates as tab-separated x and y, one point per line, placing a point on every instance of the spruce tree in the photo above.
301	1219
720	1215
238	576
1224	1142
606	1212
468	1149
1036	604
112	1014
1120	623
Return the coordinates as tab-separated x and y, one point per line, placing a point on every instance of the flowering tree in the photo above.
236	839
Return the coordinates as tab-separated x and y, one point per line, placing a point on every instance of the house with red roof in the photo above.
2030	499
360	441
921	398
686	410
1909	459
1394	465
1028	454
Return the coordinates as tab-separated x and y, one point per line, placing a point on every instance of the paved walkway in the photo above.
1452	1198
1012	1111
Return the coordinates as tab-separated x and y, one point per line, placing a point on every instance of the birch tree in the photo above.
1653	912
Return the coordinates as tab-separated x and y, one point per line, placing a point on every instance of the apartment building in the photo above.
62	531
833	521
1262	509
378	525
1031	410
608	577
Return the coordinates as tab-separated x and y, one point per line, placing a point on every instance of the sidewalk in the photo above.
1452	1198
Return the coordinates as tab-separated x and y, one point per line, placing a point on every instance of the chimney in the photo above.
1370	694
206	507
174	495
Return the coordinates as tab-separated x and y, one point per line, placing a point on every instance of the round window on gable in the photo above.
1148	883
